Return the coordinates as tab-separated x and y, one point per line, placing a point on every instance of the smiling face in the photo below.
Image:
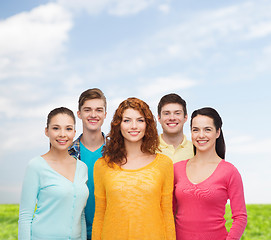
133	126
172	118
204	133
92	113
60	131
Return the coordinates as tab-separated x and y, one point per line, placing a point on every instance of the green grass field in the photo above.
258	227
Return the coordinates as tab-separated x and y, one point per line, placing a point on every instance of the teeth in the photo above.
172	124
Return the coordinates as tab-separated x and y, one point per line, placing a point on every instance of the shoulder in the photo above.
229	167
164	163
35	166
229	171
101	163
81	164
164	159
180	165
35	162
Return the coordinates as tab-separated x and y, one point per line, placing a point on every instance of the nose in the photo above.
201	134
171	116
134	125
93	113
62	133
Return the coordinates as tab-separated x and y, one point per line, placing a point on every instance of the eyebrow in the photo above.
57	125
93	108
131	118
179	110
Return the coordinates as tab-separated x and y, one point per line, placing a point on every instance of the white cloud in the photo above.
113	7
248	145
30	41
164	8
164	85
127	7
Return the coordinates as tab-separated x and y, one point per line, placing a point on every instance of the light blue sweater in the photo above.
60	203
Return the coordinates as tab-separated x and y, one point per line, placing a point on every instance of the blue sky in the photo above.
212	53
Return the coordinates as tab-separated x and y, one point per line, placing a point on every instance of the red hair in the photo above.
114	150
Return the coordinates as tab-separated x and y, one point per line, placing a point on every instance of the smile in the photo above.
172	124
134	133
62	142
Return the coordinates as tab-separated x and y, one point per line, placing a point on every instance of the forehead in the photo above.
94	103
202	121
130	112
61	118
172	107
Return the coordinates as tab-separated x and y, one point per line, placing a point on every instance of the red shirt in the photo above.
200	208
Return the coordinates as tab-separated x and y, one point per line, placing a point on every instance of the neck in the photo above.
173	139
57	155
133	150
206	156
92	140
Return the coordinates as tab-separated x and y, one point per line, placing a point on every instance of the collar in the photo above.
163	144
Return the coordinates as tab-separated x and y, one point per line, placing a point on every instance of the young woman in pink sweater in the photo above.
204	183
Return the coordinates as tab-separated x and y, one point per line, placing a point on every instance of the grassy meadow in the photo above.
258	227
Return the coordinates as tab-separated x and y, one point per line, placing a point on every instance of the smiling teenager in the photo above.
133	183
55	184
88	146
172	115
204	183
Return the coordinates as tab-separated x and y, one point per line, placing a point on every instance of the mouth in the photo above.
202	142
93	121
134	133
62	142
172	124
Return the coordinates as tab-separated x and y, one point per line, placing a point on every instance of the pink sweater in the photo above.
200	208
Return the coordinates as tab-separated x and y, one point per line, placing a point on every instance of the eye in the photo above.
55	128
126	120
194	130
99	110
141	120
69	129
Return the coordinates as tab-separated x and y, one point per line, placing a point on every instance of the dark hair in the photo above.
171	98
93	93
220	146
60	110
114	149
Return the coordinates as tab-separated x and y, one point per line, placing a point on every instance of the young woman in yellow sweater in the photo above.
133	184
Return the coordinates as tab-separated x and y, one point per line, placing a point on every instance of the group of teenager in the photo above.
132	184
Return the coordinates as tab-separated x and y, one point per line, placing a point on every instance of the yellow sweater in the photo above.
134	204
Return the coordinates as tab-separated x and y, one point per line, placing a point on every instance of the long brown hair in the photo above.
114	149
220	145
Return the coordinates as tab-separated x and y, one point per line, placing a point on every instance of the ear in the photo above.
185	118
46	132
218	133
158	118
79	114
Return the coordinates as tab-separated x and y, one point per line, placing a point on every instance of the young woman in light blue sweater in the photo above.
54	191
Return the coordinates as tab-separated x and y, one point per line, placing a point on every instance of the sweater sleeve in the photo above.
100	201
238	206
29	194
174	186
83	226
166	202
